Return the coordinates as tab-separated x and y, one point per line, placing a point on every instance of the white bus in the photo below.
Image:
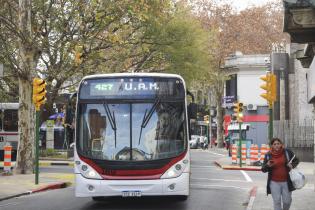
9	128
131	132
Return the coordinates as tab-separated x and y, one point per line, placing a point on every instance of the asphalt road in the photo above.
56	169
211	188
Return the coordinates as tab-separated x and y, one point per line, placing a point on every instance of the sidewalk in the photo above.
23	184
225	162
302	199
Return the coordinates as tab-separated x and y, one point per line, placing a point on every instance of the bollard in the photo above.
244	153
253	154
234	154
7	160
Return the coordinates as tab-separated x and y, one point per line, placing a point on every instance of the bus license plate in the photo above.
131	193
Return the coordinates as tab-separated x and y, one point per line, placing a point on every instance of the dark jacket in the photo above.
265	168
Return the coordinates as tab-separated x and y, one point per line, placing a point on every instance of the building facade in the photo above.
244	86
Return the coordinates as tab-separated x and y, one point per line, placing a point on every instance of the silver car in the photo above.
194	142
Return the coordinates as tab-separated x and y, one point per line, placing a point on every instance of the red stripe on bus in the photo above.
133	174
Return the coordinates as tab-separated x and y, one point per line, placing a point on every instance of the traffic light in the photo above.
238	107
206	118
238	112
39	92
270	87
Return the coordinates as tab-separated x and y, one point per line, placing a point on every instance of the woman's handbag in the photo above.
297	177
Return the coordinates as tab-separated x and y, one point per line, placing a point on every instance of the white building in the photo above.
244	85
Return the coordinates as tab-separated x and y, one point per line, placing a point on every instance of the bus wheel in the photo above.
98	198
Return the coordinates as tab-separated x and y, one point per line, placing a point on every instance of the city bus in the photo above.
9	128
131	136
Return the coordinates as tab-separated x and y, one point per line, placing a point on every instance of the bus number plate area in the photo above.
131	193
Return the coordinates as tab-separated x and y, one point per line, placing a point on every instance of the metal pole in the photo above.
240	143
270	133
208	133
36	147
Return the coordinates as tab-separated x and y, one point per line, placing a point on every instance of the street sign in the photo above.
50	134
227	101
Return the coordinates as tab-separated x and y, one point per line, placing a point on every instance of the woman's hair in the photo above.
275	139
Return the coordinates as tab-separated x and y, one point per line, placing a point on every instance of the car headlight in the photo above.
176	170
86	170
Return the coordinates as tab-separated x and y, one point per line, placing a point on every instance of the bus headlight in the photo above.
87	171
175	171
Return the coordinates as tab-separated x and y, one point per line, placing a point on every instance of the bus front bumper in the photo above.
157	187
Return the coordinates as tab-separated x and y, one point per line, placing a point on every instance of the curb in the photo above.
252	196
51	187
56	164
228	167
15	196
40	189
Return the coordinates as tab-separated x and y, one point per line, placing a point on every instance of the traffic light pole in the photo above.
240	143
208	133
270	132
36	147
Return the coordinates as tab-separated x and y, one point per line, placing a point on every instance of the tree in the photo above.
64	40
235	31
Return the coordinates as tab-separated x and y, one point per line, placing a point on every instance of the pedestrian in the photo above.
279	184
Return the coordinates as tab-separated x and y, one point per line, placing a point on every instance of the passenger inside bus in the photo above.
97	125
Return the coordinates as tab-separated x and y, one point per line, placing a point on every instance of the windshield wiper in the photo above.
111	119
147	117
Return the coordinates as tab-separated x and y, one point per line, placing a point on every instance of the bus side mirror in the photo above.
192	111
70	109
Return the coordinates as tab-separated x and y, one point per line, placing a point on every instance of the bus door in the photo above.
9	131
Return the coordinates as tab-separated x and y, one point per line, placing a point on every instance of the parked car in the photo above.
194	142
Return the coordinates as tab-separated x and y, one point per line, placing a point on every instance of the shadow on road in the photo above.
137	203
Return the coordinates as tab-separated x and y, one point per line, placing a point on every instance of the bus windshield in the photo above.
132	131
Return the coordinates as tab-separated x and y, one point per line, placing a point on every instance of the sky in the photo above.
243	4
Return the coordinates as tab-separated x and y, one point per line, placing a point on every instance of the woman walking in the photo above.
279	184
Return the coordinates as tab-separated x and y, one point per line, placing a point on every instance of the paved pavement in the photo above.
20	184
303	199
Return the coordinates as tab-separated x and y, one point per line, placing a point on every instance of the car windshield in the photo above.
131	131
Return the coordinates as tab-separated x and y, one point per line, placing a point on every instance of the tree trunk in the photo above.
220	129
26	128
26	110
220	113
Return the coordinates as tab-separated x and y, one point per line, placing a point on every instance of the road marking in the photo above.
200	166
223	180
216	153
252	197
247	177
202	186
9	204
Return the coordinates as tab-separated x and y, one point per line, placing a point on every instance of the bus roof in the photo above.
9	105
94	76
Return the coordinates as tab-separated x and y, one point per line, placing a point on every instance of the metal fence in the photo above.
295	134
298	136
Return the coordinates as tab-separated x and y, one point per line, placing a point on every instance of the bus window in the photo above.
10	120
